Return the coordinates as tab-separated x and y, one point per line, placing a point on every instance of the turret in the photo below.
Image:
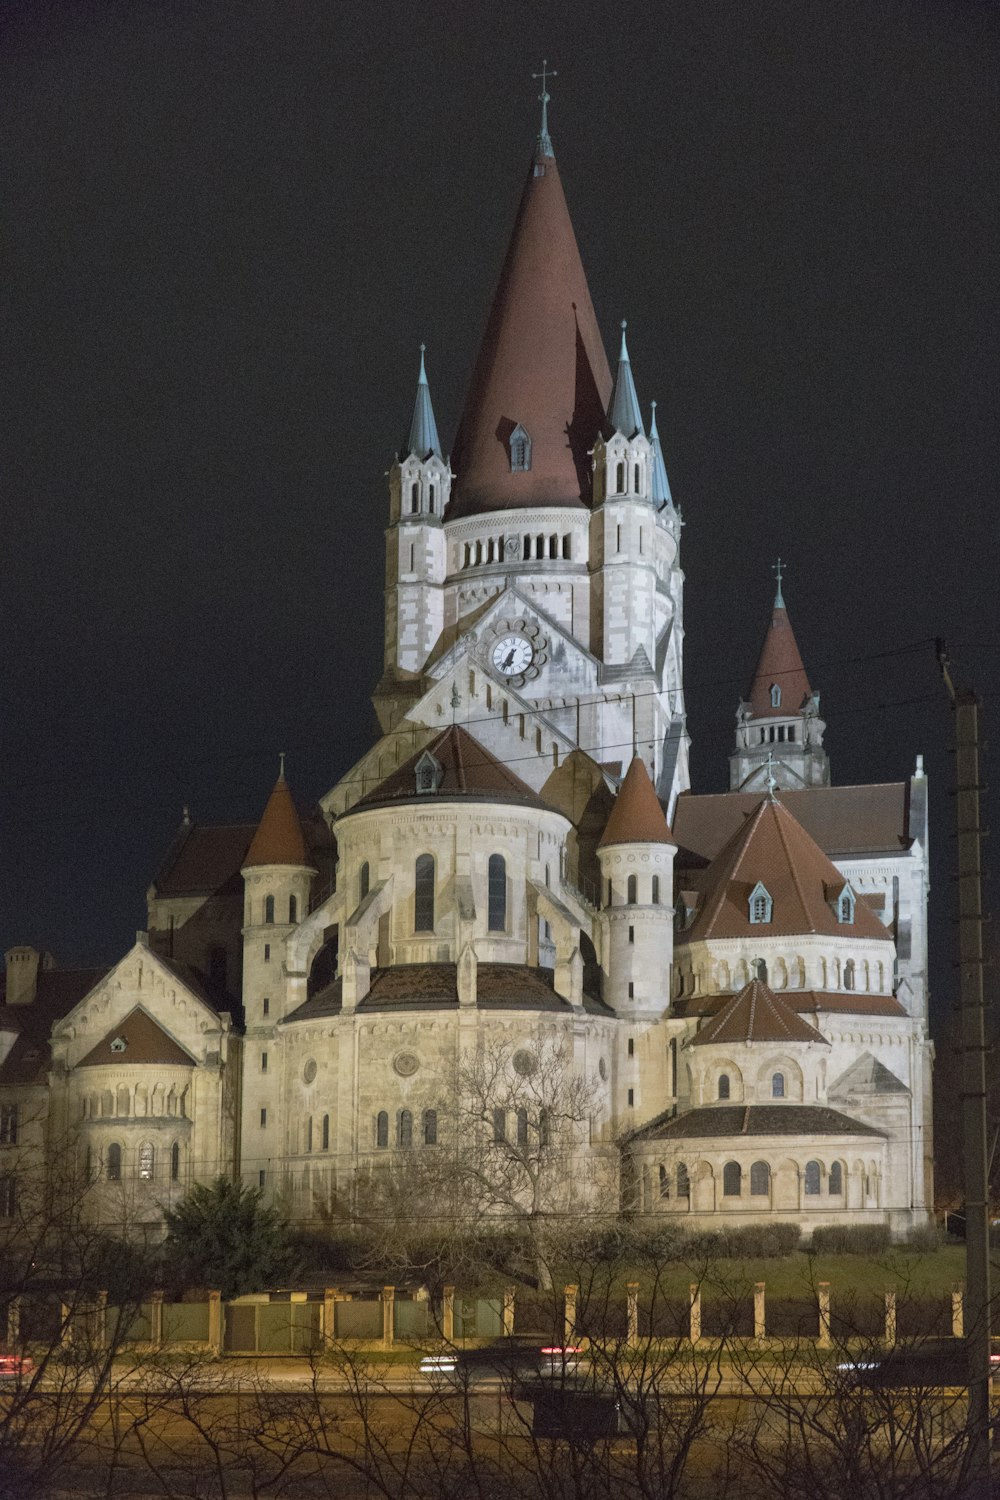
636	854
779	733
419	490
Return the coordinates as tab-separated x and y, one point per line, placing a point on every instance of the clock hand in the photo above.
508	659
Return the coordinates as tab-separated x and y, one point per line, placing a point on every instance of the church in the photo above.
511	949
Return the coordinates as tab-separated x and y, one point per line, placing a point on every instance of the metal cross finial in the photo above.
544	139
771	781
777	571
281	764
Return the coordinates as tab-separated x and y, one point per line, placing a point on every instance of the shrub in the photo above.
852	1239
761	1241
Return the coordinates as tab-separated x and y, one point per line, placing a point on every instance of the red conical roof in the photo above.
637	817
541	365
278	840
780	664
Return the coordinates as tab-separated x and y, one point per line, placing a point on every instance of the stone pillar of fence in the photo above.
694	1313
65	1325
958	1311
329	1325
101	1321
823	1293
14	1323
890	1317
759	1310
448	1314
388	1308
156	1320
632	1311
508	1312
215	1323
569	1312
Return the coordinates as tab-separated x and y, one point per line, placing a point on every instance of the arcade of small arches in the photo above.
700	1186
538	546
135	1101
823	972
118	1161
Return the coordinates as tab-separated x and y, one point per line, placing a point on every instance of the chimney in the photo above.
22	974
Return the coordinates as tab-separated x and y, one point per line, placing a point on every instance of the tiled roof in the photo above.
208	858
278	840
771	848
751	1120
843	820
467	770
805	1002
779	664
541	365
435	987
756	1015
868	1076
637	817
58	991
145	1042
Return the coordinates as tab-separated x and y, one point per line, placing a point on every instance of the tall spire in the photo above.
423	439
780	686
544	142
623	412
278	840
661	495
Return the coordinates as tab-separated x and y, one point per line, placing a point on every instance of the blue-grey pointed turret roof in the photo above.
623	413
423	438
661	485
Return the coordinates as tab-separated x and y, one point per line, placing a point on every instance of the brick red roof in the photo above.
435	987
805	1002
278	840
756	1014
637	817
842	819
541	364
145	1042
467	770
775	850
779	664
749	1120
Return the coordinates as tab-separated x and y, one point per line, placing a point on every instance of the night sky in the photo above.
226	229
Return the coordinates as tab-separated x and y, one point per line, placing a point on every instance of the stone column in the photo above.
215	1324
890	1317
101	1321
388	1308
156	1320
329	1326
569	1313
759	1310
508	1312
66	1337
823	1290
448	1314
632	1293
958	1310
695	1312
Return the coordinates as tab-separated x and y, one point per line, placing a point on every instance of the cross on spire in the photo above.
776	569
544	139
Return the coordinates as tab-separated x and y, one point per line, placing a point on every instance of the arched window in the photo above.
723	1085
758	967
635	479
522	1127
382	1129
326	1132
269	909
404	1130
293	909
430	497
813	1175
423	901
414	497
760	1179
499	1125
123	1102
88	1164
778	1086
664	1183
364	876
656	890
835	1182
620	479
845	905
683	1181
309	1134
175	1161
544	1128
146	1161
497	893
633	889
760	904
732	1179
114	1162
430	1127
775	695
849	974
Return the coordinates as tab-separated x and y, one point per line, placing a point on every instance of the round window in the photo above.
525	1062
310	1070
602	1068
405	1064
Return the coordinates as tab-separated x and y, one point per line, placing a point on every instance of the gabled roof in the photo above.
756	1015
278	840
637	817
56	994
145	1042
842	819
541	364
779	664
467	770
743	1121
771	847
868	1076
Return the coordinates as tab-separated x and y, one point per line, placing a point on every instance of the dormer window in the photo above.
845	905
775	695
520	450
760	905
428	773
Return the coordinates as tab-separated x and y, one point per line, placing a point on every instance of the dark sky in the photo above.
228	226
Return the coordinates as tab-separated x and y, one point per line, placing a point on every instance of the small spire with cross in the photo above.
281	765
544	139
778	569
771	781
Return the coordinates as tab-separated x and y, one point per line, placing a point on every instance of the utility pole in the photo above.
975	1159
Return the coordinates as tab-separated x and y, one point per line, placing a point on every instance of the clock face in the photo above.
513	655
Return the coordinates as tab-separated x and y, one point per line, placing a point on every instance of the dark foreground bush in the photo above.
852	1239
749	1242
